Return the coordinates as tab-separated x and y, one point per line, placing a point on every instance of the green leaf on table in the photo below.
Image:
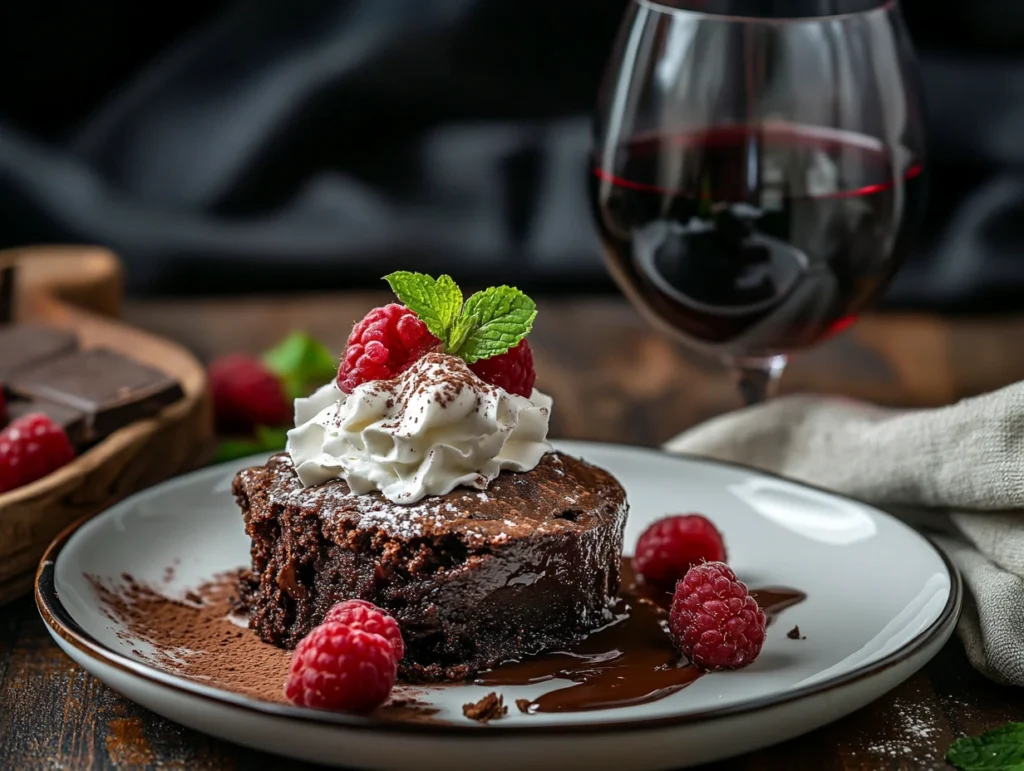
302	363
504	316
272	438
1001	749
266	439
437	302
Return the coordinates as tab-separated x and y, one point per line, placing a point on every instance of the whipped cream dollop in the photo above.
433	428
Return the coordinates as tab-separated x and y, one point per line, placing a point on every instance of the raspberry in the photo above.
714	621
30	448
671	546
247	394
512	370
342	668
360	614
384	344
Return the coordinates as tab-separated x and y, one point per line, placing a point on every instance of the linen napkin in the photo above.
958	470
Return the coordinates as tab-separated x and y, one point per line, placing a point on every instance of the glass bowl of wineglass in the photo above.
758	170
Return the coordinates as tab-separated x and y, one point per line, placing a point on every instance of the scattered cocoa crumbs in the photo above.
170	570
126	743
490	707
524	705
794	634
409	711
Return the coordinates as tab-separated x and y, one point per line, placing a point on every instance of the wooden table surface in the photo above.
613	379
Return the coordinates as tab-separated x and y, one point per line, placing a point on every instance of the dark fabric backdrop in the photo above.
271	145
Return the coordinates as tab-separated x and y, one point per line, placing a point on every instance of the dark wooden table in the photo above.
612	379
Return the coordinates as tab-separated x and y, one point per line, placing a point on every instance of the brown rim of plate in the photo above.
57	618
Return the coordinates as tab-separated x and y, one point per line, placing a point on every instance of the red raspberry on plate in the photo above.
360	614
713	619
341	668
512	370
384	344
671	546
247	394
30	448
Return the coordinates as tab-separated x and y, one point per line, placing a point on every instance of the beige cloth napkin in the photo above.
957	469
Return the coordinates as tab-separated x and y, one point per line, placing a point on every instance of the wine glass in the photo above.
758	176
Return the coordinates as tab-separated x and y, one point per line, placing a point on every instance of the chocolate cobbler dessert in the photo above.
421	480
473	579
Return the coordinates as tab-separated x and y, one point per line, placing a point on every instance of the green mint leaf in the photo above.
1001	749
504	316
451	300
437	302
266	440
301	363
463	327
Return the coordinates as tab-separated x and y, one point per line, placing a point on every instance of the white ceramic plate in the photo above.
881	602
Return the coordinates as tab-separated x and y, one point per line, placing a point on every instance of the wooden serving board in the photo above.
80	288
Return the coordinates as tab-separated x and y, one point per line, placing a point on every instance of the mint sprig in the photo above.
1001	749
488	324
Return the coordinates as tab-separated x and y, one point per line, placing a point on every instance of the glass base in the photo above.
758	378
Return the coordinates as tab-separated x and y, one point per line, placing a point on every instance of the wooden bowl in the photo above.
80	288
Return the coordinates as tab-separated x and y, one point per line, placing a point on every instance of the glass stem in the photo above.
758	378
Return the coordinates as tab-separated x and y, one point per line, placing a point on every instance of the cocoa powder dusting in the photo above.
204	636
198	636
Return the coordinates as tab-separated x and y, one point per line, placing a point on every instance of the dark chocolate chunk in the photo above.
26	345
70	419
8	276
110	389
490	707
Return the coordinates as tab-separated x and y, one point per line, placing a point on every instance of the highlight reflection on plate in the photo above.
818	516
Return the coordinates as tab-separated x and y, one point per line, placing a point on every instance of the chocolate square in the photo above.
8	277
25	345
70	419
110	389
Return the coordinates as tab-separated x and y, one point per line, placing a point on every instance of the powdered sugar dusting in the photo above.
499	514
914	733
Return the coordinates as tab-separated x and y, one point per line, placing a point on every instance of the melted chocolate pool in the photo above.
629	661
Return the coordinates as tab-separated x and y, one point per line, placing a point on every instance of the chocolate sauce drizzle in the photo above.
630	661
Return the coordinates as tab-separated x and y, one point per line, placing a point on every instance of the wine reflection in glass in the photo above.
758	170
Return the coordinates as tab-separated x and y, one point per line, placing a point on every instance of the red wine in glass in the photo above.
764	271
758	169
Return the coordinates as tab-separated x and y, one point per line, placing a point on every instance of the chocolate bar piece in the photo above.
110	389
72	420
8	277
25	345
